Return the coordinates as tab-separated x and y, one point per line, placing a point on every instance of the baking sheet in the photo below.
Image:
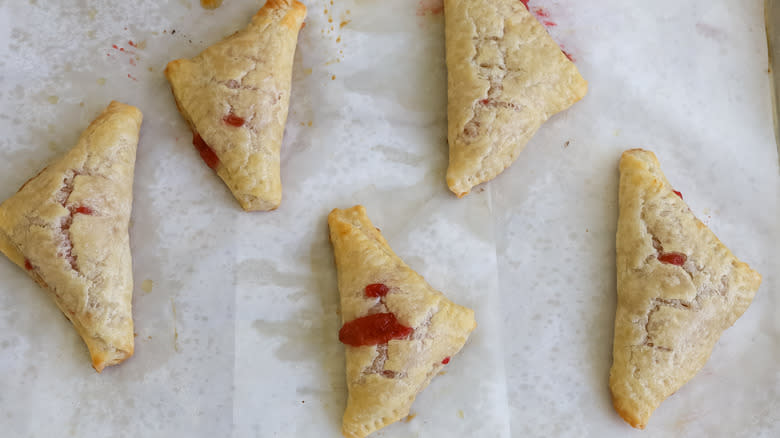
236	313
688	80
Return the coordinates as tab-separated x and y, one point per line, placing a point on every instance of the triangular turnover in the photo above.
505	77
678	289
398	331
67	228
235	96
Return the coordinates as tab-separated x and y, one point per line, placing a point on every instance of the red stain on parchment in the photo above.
132	54
122	49
540	12
430	7
543	15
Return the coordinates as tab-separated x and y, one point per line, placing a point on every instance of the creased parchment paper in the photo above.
236	313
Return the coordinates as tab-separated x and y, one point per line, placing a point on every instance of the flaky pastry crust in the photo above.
383	380
505	77
247	77
669	314
68	228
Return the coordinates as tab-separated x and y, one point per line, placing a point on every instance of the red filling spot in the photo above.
484	101
28	265
205	151
376	290
84	210
568	55
233	120
446	360
373	330
525	3
672	258
132	43
541	12
677	193
114	46
549	23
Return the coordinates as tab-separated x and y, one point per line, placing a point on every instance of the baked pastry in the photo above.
235	96
398	331
505	77
67	228
678	288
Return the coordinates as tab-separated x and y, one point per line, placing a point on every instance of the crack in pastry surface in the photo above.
704	287
62	196
678	289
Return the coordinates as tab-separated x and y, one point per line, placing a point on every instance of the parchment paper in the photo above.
237	334
236	313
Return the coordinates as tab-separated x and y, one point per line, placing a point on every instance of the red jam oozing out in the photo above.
233	120
525	3
446	360
205	151
672	258
376	290
677	193
28	265
373	330
84	210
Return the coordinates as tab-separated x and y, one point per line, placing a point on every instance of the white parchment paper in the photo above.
236	313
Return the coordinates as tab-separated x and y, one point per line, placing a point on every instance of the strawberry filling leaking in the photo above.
233	120
446	360
375	329
206	153
84	210
376	290
28	265
672	258
677	193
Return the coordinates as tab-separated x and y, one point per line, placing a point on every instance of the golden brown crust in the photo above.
505	77
383	380
669	314
68	228
247	75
